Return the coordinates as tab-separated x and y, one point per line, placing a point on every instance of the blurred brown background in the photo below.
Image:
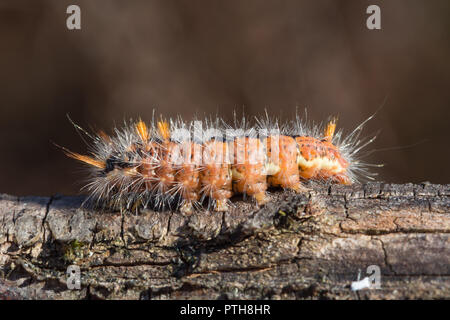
187	57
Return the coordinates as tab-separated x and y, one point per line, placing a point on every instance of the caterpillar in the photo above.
173	161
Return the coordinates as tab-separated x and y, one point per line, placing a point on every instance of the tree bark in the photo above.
298	246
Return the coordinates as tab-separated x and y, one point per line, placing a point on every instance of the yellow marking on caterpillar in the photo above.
142	130
320	163
329	130
85	159
163	128
271	169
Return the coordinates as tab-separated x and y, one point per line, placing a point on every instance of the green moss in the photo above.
74	250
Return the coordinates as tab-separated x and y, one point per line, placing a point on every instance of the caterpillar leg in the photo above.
248	181
187	208
342	179
217	187
221	205
299	188
261	198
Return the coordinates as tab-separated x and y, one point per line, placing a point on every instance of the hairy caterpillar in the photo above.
172	161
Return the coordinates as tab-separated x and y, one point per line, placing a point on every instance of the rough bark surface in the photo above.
299	246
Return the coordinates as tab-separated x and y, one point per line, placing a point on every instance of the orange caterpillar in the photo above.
161	164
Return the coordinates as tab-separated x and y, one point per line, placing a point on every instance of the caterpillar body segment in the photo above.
161	164
320	159
248	168
282	156
216	175
187	176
